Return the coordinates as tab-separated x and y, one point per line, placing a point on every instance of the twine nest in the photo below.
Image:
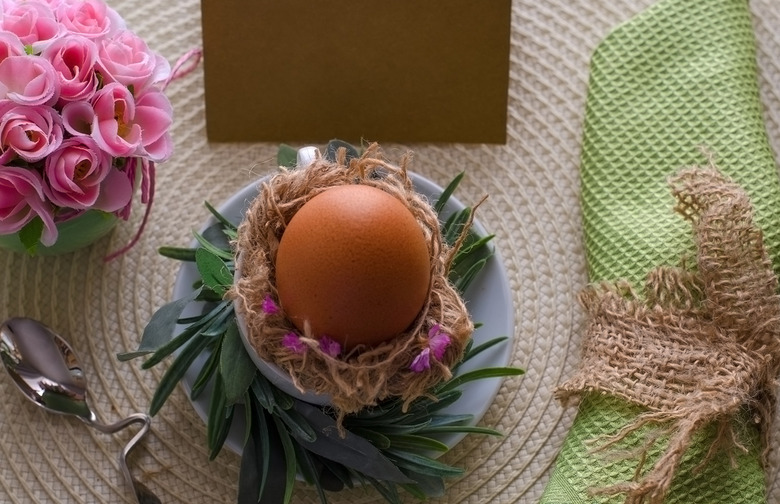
365	375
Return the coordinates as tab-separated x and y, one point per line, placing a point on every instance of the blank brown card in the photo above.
368	70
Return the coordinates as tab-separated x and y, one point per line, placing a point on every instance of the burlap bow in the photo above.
698	345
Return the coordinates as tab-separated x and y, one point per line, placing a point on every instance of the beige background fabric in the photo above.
533	185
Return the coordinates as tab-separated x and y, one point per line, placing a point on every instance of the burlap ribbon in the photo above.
698	345
677	368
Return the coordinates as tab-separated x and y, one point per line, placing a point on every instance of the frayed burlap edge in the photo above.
364	376
698	345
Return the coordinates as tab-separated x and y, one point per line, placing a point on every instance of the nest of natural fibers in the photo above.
364	375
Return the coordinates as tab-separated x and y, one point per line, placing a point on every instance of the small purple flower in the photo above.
438	341
330	346
293	342
269	307
422	361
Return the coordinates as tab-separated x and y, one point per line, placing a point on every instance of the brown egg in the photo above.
353	263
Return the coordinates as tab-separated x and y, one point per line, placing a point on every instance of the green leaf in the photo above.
422	465
220	218
473	351
178	253
160	328
479	374
175	372
261	462
235	366
387	491
456	227
271	451
263	392
415	442
205	374
376	438
464	281
352	451
447	193
216	419
297	425
204	243
426	486
31	234
289	458
215	234
334	471
287	156
213	270
463	429
188	333
455	420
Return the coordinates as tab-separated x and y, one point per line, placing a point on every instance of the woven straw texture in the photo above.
534	187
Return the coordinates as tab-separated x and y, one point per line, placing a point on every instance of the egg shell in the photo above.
354	264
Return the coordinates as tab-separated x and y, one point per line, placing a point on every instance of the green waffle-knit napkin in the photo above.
679	76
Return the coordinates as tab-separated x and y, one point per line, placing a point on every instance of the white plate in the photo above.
488	299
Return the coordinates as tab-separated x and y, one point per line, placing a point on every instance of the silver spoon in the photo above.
47	371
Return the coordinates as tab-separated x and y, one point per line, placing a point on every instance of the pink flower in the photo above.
116	192
32	133
74	172
33	22
126	59
330	346
21	200
438	342
77	118
293	342
154	113
90	18
73	59
123	127
10	45
269	307
28	80
422	361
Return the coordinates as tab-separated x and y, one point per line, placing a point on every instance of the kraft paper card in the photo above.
375	70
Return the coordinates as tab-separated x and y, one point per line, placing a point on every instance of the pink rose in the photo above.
73	59
113	125
153	111
10	45
116	192
123	126
21	200
32	133
33	22
74	172
90	18
28	80
127	59
77	118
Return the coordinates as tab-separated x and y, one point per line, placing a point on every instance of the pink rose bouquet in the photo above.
83	117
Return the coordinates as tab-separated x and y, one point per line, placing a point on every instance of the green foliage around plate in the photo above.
387	446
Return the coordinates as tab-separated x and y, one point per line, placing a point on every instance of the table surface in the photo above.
533	183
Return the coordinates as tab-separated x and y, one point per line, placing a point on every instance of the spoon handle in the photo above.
142	494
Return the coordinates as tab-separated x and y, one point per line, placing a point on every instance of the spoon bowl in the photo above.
47	371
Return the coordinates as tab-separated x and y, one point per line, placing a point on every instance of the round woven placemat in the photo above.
533	183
